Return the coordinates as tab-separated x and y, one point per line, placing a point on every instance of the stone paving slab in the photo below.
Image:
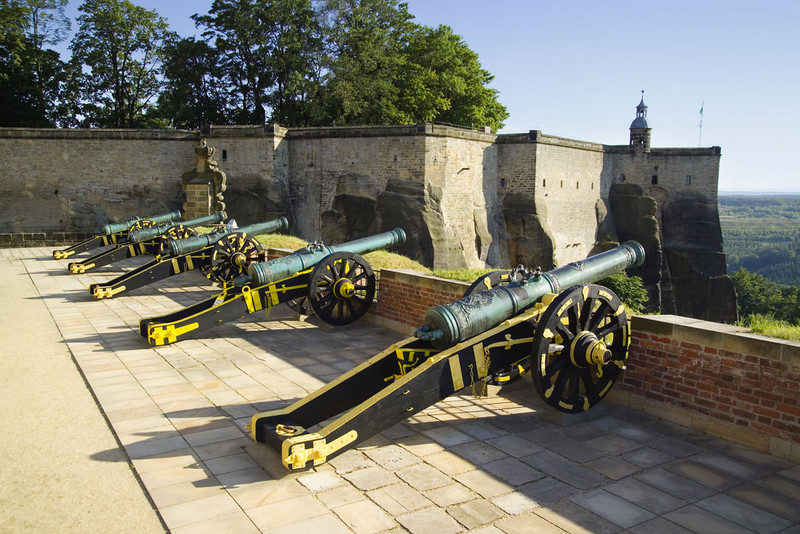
496	464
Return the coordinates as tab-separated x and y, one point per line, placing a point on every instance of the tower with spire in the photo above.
640	128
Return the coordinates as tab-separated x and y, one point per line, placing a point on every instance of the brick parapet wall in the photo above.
404	295
717	378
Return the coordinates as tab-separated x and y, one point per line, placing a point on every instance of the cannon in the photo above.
336	281
222	255
150	240
575	334
115	234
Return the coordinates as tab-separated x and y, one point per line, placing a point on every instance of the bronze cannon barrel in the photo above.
146	234
193	244
446	325
265	272
121	226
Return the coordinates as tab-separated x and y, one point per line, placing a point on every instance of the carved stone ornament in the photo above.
206	172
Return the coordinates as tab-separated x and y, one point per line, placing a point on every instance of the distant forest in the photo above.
762	235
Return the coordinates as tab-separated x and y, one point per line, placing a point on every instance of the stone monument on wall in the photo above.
204	185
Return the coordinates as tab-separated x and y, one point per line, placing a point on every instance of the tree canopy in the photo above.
292	62
120	47
32	77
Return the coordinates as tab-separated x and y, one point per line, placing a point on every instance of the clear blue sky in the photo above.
576	69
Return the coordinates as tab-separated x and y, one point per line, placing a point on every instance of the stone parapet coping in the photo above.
721	336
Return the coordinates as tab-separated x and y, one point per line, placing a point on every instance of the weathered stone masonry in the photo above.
465	198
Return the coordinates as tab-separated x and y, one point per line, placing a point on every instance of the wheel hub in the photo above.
586	349
239	259
344	289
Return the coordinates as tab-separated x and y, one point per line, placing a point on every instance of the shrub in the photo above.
629	289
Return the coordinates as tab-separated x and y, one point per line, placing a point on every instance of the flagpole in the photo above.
700	139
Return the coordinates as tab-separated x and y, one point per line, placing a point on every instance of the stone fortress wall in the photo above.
466	198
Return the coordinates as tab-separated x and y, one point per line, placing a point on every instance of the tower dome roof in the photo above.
641	116
640	122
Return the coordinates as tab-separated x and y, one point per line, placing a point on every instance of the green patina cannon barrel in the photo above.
193	244
112	228
265	272
145	234
446	325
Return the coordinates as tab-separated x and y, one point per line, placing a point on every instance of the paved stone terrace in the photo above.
491	465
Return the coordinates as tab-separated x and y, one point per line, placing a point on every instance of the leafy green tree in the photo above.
268	51
32	77
241	36
120	46
756	295
294	61
365	40
445	81
194	92
385	69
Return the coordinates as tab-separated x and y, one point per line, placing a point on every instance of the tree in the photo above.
629	289
755	295
268	51
365	39
384	69
32	77
193	91
242	37
445	81
120	46
294	61
46	21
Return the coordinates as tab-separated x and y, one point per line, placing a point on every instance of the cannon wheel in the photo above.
580	347
174	232
341	288
143	223
486	282
300	306
231	256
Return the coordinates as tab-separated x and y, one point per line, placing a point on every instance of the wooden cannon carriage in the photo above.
146	240
115	234
337	283
574	333
221	255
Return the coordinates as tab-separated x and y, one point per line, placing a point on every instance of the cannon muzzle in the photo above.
446	325
279	268
193	244
113	228
146	234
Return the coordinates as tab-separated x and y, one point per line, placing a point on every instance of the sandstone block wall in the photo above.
570	179
77	180
323	163
470	198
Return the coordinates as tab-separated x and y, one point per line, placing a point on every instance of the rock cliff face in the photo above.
694	260
684	271
529	243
